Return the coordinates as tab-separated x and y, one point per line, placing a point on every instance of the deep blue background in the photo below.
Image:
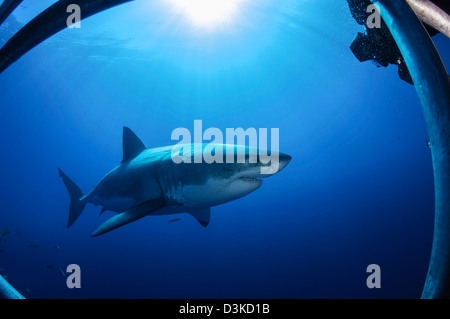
358	191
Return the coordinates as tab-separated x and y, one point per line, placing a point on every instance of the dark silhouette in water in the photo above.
377	44
3	233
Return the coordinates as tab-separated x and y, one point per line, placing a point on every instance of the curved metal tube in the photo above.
49	22
426	68
433	87
432	15
7	291
7	7
46	24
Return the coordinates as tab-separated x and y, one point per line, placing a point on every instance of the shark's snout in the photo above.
284	160
277	162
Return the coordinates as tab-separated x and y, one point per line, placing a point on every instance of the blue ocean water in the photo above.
358	191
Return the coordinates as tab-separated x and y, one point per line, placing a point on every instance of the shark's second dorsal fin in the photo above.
132	145
202	215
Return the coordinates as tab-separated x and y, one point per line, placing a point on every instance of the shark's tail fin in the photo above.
77	203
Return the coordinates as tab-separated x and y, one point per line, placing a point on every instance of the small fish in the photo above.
48	266
174	220
4	232
61	271
33	245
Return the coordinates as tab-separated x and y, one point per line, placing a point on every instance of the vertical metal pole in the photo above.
433	87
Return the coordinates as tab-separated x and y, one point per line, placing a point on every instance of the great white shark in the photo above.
149	182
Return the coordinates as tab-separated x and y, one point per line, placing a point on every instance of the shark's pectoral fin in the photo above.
202	216
129	216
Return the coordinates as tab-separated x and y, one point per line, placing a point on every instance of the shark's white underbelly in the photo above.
213	192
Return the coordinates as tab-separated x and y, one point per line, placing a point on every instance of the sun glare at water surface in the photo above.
207	13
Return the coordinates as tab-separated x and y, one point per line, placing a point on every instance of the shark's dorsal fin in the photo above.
202	215
131	144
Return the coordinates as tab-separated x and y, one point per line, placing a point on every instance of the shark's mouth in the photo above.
251	179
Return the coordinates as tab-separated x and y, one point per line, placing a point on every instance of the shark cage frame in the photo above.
423	62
